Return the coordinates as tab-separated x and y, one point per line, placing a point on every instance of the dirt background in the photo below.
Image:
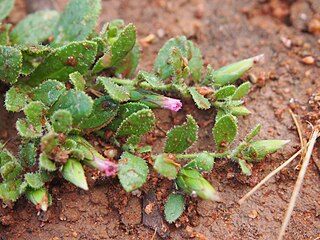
226	31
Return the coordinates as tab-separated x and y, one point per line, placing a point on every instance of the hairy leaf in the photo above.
166	166
129	64
174	207
203	162
34	111
182	137
76	56
28	129
201	101
225	131
27	154
15	99
10	64
48	92
133	171
34	180
11	170
150	78
241	91
77	21
115	91
9	190
225	92
61	121
35	28
46	163
78	81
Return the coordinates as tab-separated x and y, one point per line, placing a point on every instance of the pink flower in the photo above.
105	165
171	103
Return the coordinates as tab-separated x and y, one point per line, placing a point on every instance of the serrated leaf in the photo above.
27	154
34	180
166	166
48	92
225	92
46	163
61	121
78	103
225	131
11	170
104	110
162	66
201	101
182	137
5	8
39	197
174	207
9	190
118	50
77	21
73	172
203	162
116	92
15	99
241	91
76	56
34	111
10	64
4	34
35	28
127	67
28	129
125	110
133	171
137	123
150	78
78	81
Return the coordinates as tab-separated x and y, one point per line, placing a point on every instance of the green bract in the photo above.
75	86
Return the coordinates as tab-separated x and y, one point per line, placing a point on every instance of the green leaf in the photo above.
174	207
4	34
258	150
245	167
10	64
166	166
39	197
127	67
254	132
61	121
116	92
241	91
73	172
201	101
137	123
78	81
225	92
50	142
230	73
76	56
133	171
104	110
125	111
203	162
15	99
46	163
9	190
27	154
150	78
33	180
34	112
77	21
78	103
182	137
164	69
225	131
118	50
28	129
240	111
11	170
48	92
5	8
35	28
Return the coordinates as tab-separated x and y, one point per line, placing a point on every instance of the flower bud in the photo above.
258	150
39	197
192	182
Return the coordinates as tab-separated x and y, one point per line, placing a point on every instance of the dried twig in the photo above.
270	175
298	184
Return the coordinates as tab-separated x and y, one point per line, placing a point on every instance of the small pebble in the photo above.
253	214
309	60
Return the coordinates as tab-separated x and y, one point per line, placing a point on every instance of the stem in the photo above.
194	155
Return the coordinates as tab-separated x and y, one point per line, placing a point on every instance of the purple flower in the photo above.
171	103
109	168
